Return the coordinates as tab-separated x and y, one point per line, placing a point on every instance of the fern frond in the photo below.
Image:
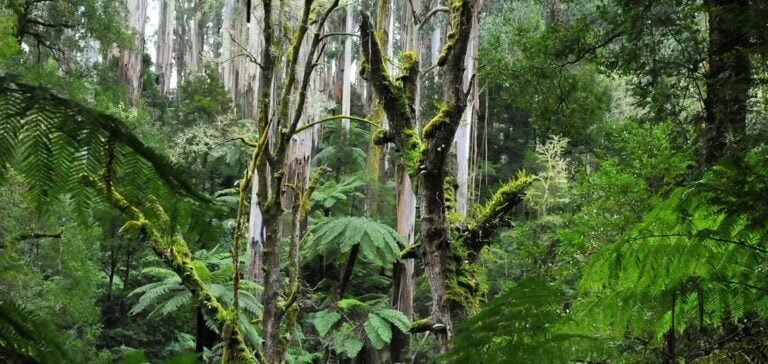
377	330
23	334
55	140
379	244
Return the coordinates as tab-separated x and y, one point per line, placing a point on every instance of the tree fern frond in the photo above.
379	244
56	140
23	334
377	330
173	304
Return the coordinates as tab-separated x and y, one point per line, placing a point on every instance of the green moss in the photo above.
413	151
381	137
500	202
453	33
408	61
439	118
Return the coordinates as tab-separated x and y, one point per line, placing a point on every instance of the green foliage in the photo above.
24	335
524	324
334	238
358	321
55	140
138	357
553	96
694	256
324	321
168	295
331	193
550	188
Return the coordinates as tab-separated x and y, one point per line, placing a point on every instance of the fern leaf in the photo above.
56	139
396	318
324	321
377	330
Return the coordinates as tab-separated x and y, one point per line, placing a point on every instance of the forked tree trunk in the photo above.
431	149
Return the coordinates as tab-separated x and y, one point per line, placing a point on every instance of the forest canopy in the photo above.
383	181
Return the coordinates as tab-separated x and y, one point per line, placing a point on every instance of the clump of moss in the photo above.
440	118
503	199
453	33
413	151
407	61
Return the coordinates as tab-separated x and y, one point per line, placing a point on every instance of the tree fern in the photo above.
168	295
335	237
699	250
377	330
324	320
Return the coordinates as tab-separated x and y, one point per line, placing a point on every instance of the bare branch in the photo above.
332	118
338	34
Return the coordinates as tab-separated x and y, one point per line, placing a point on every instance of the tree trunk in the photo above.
204	336
131	59
462	141
198	39
404	279
164	53
728	79
347	81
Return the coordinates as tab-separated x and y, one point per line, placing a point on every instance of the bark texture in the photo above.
131	59
164	52
728	79
426	157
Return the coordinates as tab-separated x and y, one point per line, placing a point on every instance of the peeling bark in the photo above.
462	141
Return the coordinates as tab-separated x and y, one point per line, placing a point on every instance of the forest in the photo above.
383	181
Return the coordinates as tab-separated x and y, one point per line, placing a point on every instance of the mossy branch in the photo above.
425	325
396	95
493	214
177	257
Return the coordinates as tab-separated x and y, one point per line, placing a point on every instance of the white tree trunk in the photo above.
164	52
406	199
198	39
131	59
462	139
346	88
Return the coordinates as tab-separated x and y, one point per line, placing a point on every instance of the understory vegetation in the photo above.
383	181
